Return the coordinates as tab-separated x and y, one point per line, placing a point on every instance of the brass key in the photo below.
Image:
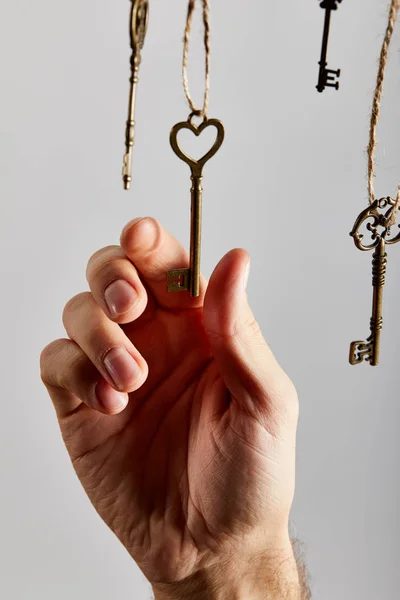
188	279
139	22
369	350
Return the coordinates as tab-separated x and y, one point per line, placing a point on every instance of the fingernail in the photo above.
120	297
122	367
246	275
109	399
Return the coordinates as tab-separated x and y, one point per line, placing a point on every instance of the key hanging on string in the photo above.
188	279
139	19
327	77
377	220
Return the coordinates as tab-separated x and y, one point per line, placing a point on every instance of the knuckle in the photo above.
61	362
46	358
100	254
75	304
75	369
106	273
105	255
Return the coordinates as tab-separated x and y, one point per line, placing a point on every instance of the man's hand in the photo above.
179	422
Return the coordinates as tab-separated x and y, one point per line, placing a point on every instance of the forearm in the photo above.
277	577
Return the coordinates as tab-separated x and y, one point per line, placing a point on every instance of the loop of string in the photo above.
206	20
376	106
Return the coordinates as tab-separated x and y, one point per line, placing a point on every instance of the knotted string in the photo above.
206	20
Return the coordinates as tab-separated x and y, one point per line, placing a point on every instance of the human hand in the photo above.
179	422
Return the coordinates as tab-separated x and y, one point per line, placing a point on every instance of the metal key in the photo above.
139	22
188	279
327	77
369	350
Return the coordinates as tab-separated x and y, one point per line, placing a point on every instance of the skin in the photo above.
190	459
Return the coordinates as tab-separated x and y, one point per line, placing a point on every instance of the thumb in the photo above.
248	367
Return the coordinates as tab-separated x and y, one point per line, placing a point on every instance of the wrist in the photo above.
271	575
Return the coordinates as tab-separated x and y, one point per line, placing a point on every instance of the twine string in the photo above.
188	28
376	108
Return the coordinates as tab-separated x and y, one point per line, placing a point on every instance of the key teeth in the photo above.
360	351
178	280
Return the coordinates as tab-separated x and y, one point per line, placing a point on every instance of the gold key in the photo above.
139	22
380	236
179	280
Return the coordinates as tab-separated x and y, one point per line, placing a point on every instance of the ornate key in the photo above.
380	235
179	280
327	77
139	22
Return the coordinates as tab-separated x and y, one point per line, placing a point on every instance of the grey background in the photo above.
287	186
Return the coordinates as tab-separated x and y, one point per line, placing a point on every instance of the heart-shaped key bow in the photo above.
196	166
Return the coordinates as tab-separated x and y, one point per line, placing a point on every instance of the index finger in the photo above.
154	252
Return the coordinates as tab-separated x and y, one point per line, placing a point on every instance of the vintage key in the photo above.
179	280
139	22
327	77
380	236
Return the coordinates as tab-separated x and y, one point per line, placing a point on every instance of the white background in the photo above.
287	186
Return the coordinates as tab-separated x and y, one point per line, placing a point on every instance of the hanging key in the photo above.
380	236
188	279
327	77
138	29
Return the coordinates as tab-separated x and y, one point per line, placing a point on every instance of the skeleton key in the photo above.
179	280
327	77
139	22
369	350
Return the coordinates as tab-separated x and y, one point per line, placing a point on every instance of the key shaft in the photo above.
130	124
195	235
139	23
180	280
324	52
379	262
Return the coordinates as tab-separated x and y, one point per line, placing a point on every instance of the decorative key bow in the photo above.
378	224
